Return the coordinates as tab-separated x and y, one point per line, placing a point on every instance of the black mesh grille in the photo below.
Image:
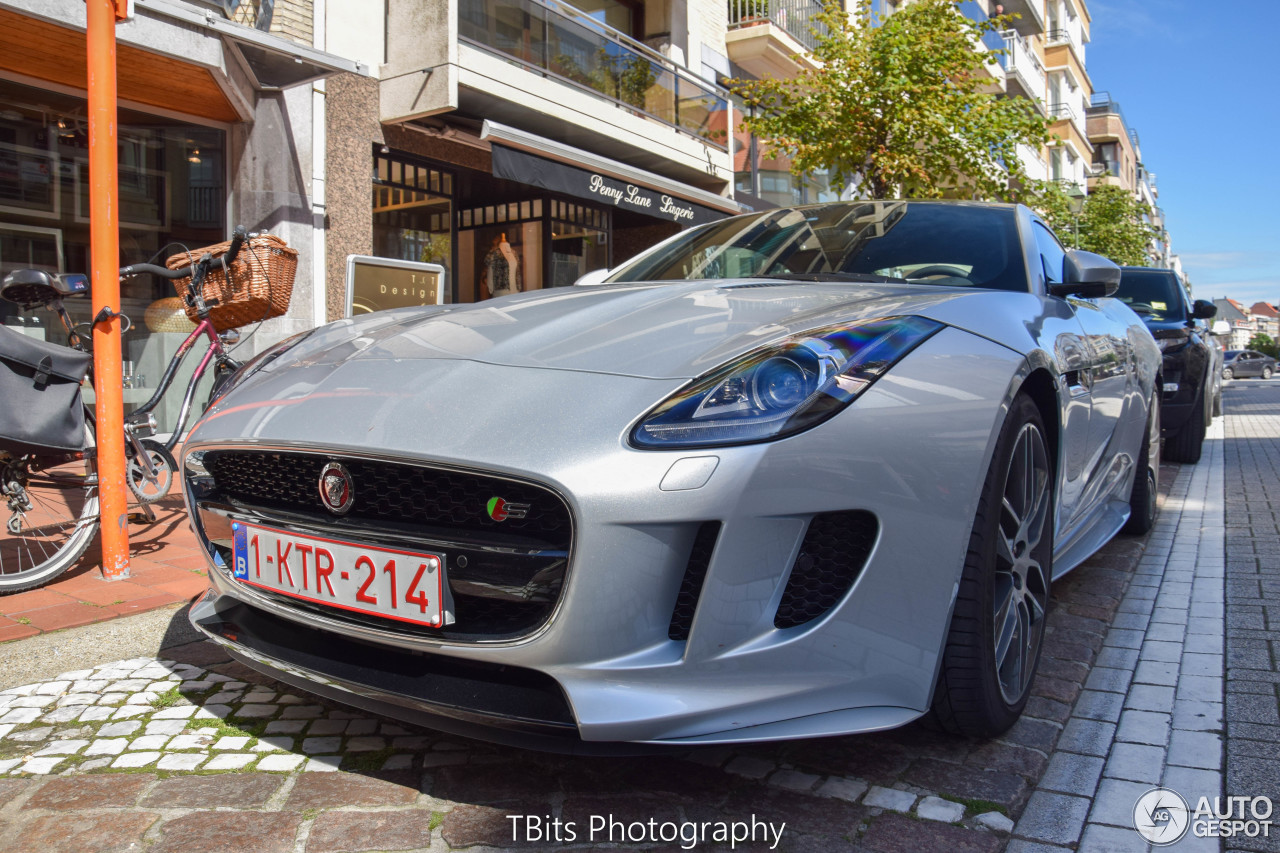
694	574
834	550
386	491
505	577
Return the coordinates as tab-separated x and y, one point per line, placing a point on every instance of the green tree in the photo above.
1050	200
1264	344
1111	222
902	108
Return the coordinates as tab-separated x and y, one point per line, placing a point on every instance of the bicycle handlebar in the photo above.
238	237
237	240
153	269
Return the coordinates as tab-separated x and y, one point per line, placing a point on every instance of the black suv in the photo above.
1157	296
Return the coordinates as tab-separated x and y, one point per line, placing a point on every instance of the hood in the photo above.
1162	328
650	331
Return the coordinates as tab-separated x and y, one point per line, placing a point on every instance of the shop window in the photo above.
579	243
499	249
412	212
172	194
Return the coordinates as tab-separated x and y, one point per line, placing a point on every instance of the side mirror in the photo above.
593	277
1087	275
1220	328
1203	309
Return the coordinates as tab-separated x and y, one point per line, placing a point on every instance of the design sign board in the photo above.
376	284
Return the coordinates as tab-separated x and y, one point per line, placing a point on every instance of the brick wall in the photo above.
291	19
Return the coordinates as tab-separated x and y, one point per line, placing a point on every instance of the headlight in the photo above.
784	388
1175	342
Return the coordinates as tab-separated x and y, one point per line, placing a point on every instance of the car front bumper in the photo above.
913	451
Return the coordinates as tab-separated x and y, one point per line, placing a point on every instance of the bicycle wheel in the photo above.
50	516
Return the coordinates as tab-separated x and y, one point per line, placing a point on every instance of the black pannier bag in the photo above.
40	406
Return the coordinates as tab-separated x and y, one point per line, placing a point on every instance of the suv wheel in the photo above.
1266	373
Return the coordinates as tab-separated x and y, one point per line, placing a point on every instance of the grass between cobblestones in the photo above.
973	807
168	699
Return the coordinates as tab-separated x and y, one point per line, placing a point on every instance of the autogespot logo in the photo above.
1161	816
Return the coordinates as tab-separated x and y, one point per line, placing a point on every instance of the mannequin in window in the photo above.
501	268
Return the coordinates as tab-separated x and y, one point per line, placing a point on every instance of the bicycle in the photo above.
51	493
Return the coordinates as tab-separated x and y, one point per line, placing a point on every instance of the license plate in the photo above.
404	585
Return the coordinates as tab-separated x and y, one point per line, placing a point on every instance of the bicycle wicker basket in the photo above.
258	287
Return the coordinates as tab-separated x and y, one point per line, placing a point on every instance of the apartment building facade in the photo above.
1242	321
434	131
567	137
1118	161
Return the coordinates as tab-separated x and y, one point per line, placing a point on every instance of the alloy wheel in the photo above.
1021	585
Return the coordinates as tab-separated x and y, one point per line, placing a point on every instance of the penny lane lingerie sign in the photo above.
582	183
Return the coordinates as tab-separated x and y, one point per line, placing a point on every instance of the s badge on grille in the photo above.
500	510
336	492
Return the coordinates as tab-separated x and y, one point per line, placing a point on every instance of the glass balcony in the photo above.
794	16
564	43
992	40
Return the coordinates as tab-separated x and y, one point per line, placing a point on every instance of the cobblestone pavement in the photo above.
1151	710
197	752
1252	451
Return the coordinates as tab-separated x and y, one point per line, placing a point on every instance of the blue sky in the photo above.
1199	82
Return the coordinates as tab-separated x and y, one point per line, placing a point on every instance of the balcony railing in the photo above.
1110	168
797	17
1061	112
561	42
1022	61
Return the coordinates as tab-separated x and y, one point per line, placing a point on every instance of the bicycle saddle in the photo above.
32	288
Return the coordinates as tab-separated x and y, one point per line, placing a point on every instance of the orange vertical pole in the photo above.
104	249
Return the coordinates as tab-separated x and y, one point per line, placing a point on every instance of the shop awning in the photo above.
272	61
556	167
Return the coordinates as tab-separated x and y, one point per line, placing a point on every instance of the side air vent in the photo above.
694	574
834	550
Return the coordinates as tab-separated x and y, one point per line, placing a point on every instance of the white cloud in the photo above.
1246	292
1229	260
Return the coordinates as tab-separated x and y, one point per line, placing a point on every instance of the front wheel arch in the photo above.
1040	387
972	696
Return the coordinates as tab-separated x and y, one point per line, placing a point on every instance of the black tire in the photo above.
146	489
1004	588
1186	444
57	528
1217	404
1228	373
1266	373
1146	483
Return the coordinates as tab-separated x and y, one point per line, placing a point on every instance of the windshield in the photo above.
957	244
1152	294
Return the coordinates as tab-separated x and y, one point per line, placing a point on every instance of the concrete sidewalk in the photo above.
165	569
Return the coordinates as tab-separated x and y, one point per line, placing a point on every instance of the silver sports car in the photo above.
796	473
